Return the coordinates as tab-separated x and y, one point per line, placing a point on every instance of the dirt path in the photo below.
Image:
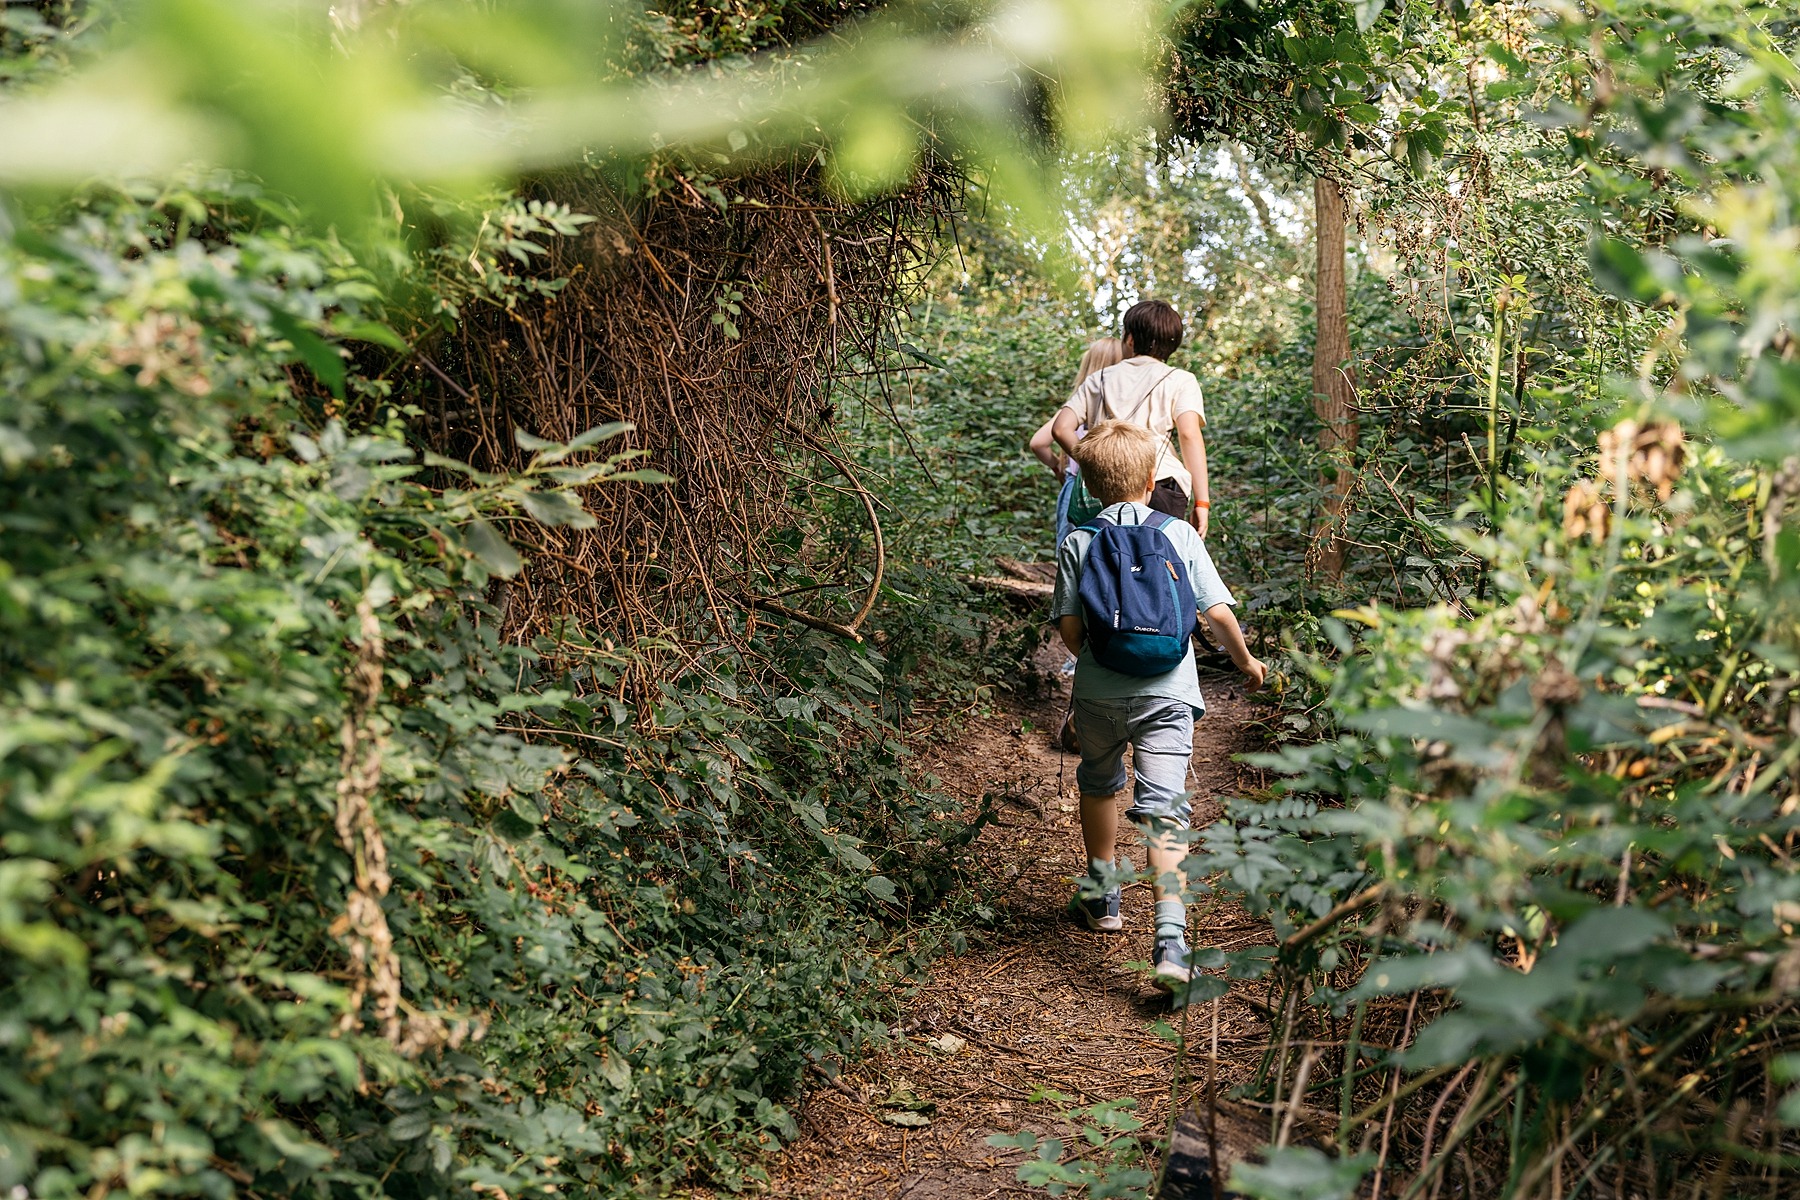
1040	1005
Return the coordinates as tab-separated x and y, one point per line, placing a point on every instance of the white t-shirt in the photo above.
1148	392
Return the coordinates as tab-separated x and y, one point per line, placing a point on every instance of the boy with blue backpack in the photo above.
1129	586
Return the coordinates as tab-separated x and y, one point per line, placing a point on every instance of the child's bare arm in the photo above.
1073	631
1063	428
1224	623
1044	447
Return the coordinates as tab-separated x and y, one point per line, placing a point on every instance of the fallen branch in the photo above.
806	619
836	1084
1030	572
1013	587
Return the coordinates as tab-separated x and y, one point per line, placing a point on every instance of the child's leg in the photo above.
1166	852
1167	882
1099	828
1162	739
1102	732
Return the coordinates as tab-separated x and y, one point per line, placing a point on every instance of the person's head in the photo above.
1103	353
1152	327
1118	461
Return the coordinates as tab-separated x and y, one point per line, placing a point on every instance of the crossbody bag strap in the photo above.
1145	398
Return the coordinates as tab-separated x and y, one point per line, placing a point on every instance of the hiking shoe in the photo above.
1170	960
1100	913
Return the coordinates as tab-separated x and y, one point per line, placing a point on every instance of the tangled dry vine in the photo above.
803	289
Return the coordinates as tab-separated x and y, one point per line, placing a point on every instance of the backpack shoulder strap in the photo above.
1096	524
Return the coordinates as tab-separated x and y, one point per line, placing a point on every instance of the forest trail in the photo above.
1039	1005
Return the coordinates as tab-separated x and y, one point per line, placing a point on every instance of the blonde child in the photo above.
1100	354
1119	705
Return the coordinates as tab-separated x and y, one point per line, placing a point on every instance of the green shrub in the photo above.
1558	821
312	884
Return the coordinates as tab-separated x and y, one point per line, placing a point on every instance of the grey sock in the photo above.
1097	869
1171	919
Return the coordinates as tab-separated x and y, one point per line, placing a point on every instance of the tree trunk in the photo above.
1334	387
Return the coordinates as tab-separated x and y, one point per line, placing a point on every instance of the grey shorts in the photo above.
1160	733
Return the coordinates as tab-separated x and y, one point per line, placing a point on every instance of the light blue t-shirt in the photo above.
1095	682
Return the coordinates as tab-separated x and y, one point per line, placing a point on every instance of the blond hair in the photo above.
1102	353
1117	460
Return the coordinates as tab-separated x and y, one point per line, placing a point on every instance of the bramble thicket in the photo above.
491	495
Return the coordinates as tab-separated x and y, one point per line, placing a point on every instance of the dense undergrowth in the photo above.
311	879
316	881
1543	857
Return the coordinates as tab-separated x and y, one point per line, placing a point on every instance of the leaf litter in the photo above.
1038	1018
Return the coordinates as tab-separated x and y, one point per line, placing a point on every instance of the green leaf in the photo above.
847	853
371	331
925	356
290	1143
1448	968
491	550
556	508
616	1070
1201	989
600	433
1632	274
317	353
1368	12
524	806
17	1159
1475	740
1415	149
1300	1173
1609	932
410	1126
549	452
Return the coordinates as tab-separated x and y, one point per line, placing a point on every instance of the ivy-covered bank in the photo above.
317	875
311	883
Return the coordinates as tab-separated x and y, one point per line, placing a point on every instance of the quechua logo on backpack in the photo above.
1136	598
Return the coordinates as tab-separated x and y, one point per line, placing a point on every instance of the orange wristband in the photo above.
1202	504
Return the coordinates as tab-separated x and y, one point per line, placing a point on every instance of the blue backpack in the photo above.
1136	598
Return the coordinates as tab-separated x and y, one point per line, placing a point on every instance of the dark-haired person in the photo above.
1146	391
